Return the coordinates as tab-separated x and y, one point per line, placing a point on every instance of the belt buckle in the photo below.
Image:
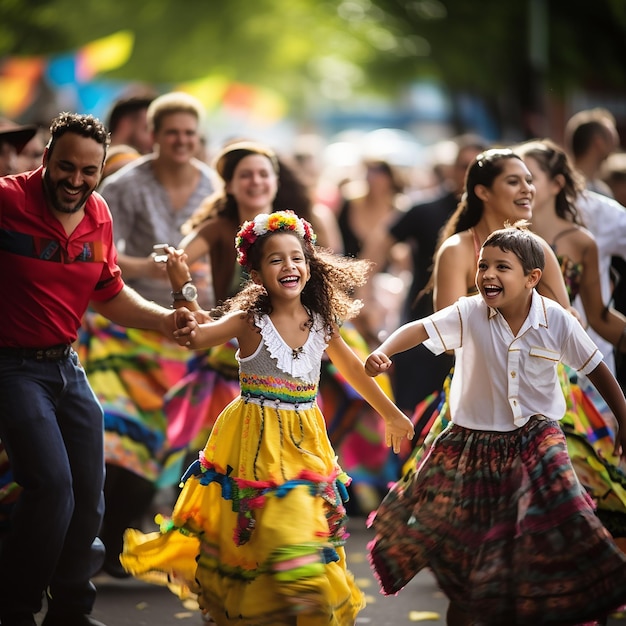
51	354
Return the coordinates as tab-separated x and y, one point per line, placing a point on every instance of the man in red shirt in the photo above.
58	258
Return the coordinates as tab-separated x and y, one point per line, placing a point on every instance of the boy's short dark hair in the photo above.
521	242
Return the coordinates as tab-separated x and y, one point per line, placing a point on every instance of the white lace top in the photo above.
277	372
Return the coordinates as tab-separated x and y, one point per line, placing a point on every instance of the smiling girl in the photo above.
259	527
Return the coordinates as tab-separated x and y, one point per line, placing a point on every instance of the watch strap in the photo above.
178	295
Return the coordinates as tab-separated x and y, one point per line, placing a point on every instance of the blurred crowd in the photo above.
161	172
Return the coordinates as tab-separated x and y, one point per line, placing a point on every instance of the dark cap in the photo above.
17	136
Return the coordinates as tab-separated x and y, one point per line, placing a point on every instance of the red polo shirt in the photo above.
47	278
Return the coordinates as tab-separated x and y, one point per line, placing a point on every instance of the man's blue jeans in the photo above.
52	427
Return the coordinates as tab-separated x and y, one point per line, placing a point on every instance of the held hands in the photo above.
377	363
186	325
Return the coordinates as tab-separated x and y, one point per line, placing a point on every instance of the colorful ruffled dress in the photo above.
589	428
355	430
258	531
130	370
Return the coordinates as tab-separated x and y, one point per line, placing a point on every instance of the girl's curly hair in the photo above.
329	292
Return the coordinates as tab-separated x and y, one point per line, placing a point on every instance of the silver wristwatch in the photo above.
188	293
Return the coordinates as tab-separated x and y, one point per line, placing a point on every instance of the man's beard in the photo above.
57	205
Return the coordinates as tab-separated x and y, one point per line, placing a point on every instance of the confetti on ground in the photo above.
370	599
140	606
184	615
191	604
363	583
358	557
424	616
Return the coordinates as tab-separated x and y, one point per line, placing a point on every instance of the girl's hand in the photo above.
186	325
182	318
377	363
396	429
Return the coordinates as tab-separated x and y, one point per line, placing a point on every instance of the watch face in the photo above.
189	292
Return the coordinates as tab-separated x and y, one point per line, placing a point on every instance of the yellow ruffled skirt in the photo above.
258	531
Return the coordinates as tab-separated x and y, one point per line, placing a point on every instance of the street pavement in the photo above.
130	602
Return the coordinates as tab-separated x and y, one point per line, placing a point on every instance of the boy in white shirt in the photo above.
495	508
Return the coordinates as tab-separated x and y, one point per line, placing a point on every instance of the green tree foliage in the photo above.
331	49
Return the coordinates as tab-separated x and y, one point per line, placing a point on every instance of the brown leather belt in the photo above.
54	353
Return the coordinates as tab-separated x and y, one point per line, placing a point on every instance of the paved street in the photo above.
133	603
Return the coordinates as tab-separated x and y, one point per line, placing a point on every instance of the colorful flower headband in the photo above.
285	221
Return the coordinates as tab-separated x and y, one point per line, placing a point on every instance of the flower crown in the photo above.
285	221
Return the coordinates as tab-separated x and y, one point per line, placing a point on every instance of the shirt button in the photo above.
513	374
514	402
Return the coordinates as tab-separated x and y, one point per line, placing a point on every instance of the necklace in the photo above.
296	352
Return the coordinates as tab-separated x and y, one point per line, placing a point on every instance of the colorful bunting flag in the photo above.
69	72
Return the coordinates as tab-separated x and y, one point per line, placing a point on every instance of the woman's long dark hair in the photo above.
483	170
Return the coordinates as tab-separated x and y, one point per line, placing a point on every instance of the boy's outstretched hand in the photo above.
377	363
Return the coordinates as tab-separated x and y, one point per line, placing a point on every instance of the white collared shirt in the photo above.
501	380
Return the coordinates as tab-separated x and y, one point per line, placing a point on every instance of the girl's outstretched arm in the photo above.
604	381
397	425
198	336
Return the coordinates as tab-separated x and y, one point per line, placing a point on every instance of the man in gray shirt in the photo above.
152	197
149	199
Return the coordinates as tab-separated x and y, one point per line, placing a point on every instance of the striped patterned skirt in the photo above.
505	526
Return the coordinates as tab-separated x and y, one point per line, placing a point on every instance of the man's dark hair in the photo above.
84	125
127	107
583	127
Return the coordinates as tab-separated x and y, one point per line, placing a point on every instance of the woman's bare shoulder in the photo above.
457	246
